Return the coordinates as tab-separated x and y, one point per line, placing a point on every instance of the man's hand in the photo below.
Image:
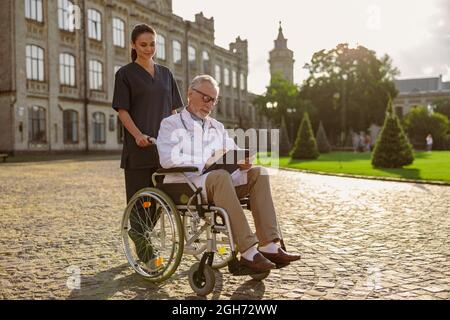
216	156
247	164
144	140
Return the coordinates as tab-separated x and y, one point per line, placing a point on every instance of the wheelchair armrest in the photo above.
177	170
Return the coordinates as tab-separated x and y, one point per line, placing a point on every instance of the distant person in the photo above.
429	140
362	142
355	142
368	143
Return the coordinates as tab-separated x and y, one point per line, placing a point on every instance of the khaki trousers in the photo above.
220	190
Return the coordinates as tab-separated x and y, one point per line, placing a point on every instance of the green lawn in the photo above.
426	165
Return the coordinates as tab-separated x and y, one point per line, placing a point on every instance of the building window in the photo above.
219	107
242	82
37	125
67	69
70	126
228	110
205	60
160	47
236	108
192	55
94	25
218	74
35	62
226	76
176	51
234	79
95	75
120	131
119	32
99	127
33	10
65	15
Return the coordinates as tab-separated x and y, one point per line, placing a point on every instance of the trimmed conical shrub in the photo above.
285	142
322	141
392	149
305	146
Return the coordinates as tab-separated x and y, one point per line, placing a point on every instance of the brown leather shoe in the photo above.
282	257
259	263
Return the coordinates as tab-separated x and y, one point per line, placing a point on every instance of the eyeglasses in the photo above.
206	98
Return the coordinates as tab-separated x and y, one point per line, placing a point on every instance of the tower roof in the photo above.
281	41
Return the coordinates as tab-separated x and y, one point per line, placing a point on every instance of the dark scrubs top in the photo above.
148	100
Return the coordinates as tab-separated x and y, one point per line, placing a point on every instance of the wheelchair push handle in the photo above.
151	140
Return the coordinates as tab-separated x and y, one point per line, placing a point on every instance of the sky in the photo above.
414	33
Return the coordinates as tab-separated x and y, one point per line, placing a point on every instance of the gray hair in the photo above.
203	78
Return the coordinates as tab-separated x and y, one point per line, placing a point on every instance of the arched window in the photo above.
192	56
226	76
95	75
119	32
33	10
176	51
160	47
70	126
99	126
35	62
66	15
218	74
94	24
67	69
37	125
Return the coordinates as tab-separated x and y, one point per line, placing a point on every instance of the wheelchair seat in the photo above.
181	192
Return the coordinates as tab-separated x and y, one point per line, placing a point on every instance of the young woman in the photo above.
144	93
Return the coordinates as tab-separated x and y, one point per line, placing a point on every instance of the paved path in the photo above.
360	239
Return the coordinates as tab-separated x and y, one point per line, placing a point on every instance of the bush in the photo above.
322	141
419	123
392	149
305	146
285	142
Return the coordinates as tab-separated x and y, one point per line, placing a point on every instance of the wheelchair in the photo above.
161	224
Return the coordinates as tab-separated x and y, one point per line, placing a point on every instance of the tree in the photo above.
419	123
392	149
281	103
305	146
349	87
322	141
285	142
442	106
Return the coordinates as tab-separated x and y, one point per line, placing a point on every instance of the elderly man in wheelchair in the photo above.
199	213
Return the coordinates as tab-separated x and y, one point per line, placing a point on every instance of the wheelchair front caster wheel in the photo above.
202	284
260	276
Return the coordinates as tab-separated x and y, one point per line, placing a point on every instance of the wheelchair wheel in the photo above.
202	284
260	276
223	254
152	234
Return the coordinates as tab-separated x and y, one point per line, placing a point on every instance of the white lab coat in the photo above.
178	147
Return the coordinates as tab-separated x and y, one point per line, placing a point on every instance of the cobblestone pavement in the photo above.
359	239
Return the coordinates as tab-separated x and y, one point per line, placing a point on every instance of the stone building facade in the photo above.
419	91
57	77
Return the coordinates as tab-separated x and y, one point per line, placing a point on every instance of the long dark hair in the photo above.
138	30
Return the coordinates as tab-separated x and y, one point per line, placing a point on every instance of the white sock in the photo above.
249	253
271	247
